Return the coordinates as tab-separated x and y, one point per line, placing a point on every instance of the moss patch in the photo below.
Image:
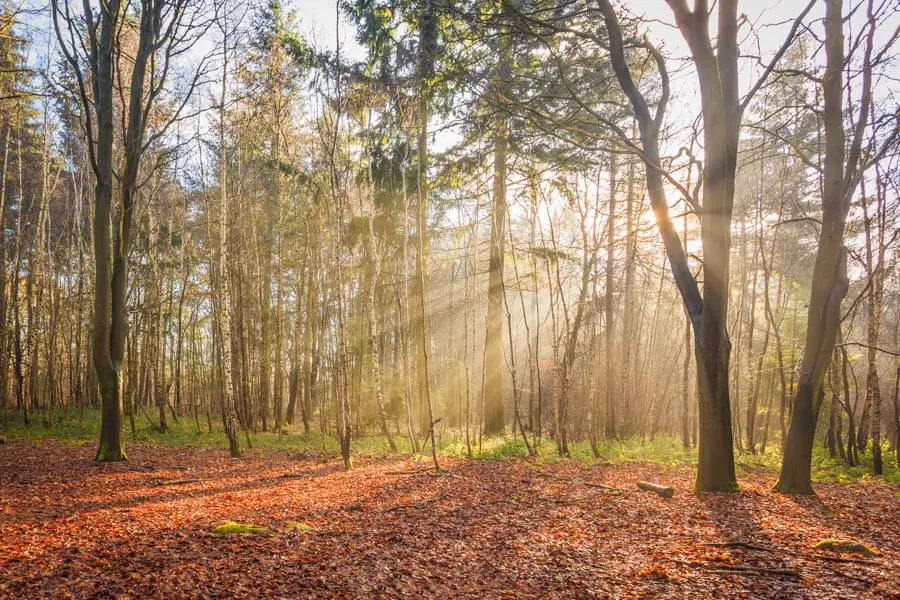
235	528
849	546
300	526
107	454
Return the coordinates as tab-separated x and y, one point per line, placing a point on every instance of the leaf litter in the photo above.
70	527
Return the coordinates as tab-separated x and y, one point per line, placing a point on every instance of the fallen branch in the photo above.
442	474
848	575
429	472
839	559
293	475
412	472
662	490
737	568
581	482
842	559
418	506
781	572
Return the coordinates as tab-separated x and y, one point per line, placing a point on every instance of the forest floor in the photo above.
70	527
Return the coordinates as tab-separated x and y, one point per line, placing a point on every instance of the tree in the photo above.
721	110
166	27
842	171
494	397
224	300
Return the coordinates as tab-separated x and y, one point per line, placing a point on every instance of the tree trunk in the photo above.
224	299
110	447
875	271
375	351
494	396
612	387
721	119
829	283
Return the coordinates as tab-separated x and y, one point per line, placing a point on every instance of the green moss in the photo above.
848	546
107	454
301	526
727	488
235	528
731	487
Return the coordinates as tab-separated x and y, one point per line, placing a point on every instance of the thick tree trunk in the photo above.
716	464
829	283
110	447
708	313
494	396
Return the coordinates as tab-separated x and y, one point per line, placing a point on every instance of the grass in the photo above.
663	450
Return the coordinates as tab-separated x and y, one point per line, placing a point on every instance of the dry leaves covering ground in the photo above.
72	528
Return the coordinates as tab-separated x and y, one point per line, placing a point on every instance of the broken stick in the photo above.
664	491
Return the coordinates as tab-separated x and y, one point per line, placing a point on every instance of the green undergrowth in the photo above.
666	451
824	468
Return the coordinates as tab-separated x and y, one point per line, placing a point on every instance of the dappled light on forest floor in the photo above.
71	527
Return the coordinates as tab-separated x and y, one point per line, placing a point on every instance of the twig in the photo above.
737	568
848	575
293	475
579	481
419	506
841	559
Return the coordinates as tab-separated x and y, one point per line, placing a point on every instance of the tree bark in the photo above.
708	313
494	396
829	283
